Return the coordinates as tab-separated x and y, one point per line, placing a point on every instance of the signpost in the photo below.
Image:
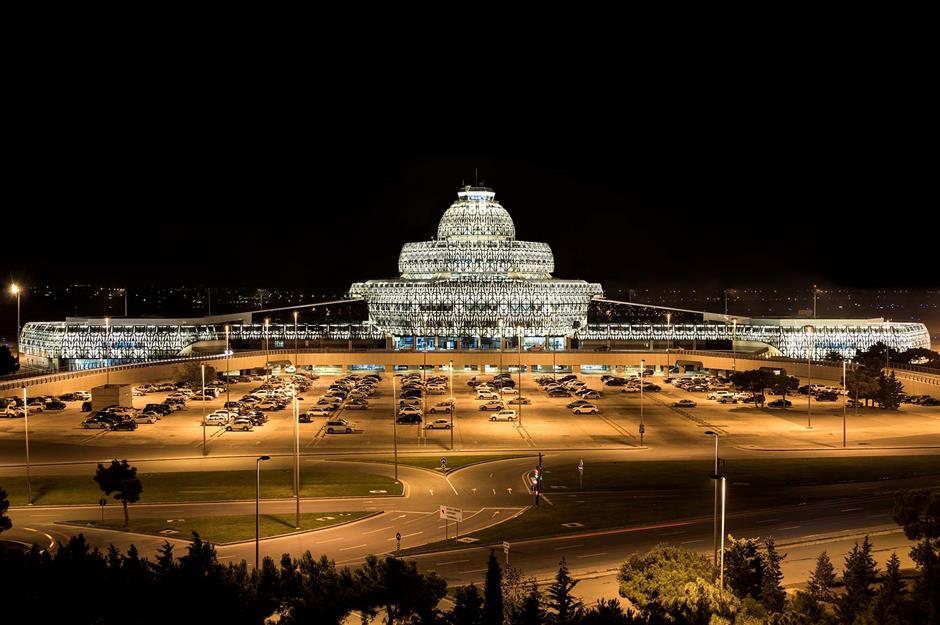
449	513
102	502
506	551
397	542
581	474
443	464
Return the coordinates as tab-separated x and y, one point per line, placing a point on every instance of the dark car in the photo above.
754	399
160	409
303	417
827	397
86	406
615	382
409	418
68	397
55	404
124	424
780	403
652	388
259	418
930	401
559	393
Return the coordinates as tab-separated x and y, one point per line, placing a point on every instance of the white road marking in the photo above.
355	547
451	562
473	571
689	542
593	555
568	547
404	536
852	509
381	529
673	533
791	527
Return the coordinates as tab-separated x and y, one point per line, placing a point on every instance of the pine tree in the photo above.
529	611
468	606
886	609
566	607
823	578
493	593
858	576
744	566
772	595
5	522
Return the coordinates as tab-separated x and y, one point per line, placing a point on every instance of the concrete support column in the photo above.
548	345
389	342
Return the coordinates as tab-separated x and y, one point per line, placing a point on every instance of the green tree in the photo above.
493	593
889	391
121	479
772	594
833	356
858	576
744	566
803	609
529	611
565	606
5	521
673	585
606	612
886	608
399	588
822	579
918	512
468	606
862	383
920	357
191	373
783	384
8	364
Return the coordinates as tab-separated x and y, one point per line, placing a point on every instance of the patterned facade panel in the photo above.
431	259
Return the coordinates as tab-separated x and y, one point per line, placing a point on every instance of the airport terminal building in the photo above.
474	286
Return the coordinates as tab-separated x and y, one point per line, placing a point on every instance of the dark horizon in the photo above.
801	183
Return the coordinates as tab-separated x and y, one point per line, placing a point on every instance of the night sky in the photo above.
318	180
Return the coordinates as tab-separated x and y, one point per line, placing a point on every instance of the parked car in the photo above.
242	424
576	403
12	411
559	393
55	404
684	403
729	399
339	426
585	409
503	415
146	417
318	411
125	424
493	405
827	396
519	401
487	395
215	419
409	410
590	394
441	407
409	418
780	403
754	399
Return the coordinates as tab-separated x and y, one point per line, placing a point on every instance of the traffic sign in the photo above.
505	547
451	513
398	536
443	463
581	466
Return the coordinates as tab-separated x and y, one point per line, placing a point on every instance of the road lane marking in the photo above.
593	555
673	533
768	521
406	535
447	479
791	527
689	542
568	547
355	547
451	562
852	509
381	529
473	571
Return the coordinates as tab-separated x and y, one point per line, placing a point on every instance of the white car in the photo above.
585	409
684	403
240	424
508	390
340	426
720	394
438	424
409	410
215	419
442	407
503	415
487	395
319	411
146	417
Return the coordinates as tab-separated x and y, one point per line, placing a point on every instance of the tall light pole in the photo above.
520	331
808	329
814	301
424	374
554	367
296	457
500	345
15	290
258	509
296	356
202	366
844	399
734	351
716	476
228	353
29	487
267	356
452	406
642	426
107	350
668	342
394	424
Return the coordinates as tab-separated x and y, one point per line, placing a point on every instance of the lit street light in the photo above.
202	366
107	349
719	531
296	356
642	426
267	356
296	456
808	329
15	290
520	331
258	509
29	488
453	406
228	393
394	425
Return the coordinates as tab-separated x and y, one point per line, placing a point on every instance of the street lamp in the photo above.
520	331
734	352
107	350
228	354
202	367
554	367
808	329
395	424
500	345
267	356
296	312
296	457
424	372
452	406
844	399
668	342
258	509
29	488
642	426
15	290
719	531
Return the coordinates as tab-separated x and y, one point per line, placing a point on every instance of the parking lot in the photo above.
546	423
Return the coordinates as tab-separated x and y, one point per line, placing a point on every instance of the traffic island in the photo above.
222	530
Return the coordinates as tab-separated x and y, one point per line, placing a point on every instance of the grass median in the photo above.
168	487
433	463
225	529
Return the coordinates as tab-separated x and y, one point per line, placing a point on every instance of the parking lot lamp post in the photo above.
715	477
107	350
394	425
668	341
295	340
424	375
734	351
29	487
15	290
453	406
521	335
202	367
554	322
228	393
500	323
258	509
297	459
642	426
809	374
844	398
267	356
